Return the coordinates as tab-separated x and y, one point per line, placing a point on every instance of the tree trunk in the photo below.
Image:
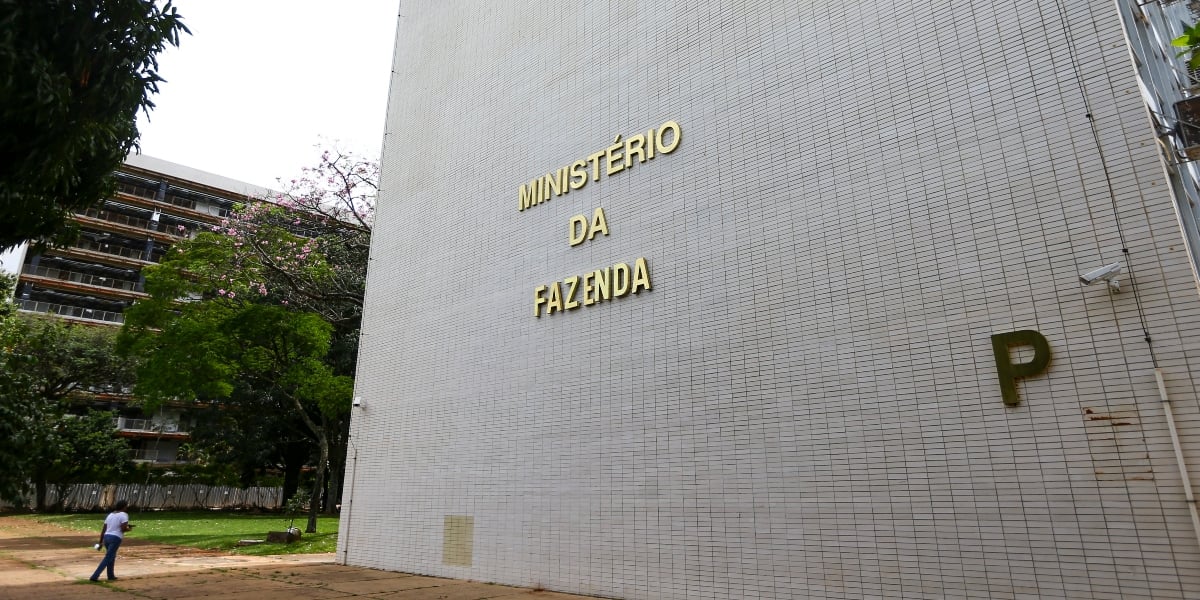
333	490
322	434
314	505
337	468
247	476
294	456
62	490
39	484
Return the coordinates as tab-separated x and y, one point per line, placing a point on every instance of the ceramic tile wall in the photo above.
805	405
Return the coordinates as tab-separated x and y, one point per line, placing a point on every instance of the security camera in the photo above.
1107	273
357	402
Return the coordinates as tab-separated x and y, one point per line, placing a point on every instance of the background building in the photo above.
157	204
807	401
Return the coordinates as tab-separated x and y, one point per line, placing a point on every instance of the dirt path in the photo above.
39	561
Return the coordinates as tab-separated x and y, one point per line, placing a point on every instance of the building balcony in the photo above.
107	220
148	428
175	205
81	278
137	190
156	456
71	312
128	424
111	254
81	283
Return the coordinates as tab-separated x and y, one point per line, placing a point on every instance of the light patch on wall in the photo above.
458	540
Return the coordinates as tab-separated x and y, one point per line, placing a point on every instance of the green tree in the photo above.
14	404
47	365
250	433
222	349
1190	44
303	253
71	449
8	283
73	76
304	249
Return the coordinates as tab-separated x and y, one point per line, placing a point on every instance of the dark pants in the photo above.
111	543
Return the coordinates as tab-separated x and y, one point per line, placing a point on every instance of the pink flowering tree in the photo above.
301	252
305	247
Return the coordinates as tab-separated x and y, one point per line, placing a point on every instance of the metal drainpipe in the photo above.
350	503
1183	470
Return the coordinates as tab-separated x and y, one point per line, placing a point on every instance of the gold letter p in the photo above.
1008	371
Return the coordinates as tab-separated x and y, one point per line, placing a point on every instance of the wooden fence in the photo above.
94	496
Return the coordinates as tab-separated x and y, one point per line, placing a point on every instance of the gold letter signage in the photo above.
608	283
609	161
1008	371
591	288
580	230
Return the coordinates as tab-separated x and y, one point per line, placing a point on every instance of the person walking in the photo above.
112	533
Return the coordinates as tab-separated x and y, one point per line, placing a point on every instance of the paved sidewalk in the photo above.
46	562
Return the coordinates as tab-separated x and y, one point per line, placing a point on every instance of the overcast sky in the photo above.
260	83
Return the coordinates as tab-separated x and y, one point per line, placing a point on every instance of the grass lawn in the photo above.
211	530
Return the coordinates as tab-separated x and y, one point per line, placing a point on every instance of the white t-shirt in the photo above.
113	522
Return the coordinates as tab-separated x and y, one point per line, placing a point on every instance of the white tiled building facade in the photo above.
806	403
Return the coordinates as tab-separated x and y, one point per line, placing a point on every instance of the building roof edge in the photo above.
196	176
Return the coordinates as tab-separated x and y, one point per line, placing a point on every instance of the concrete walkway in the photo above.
46	562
